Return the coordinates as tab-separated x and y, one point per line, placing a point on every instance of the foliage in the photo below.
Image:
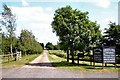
112	35
75	30
10	43
28	43
49	46
25	43
58	53
9	22
5	43
42	44
57	47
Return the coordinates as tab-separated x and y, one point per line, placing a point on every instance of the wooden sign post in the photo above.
109	55
97	55
106	55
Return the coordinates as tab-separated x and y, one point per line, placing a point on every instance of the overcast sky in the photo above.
37	15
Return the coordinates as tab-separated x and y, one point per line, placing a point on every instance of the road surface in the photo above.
42	68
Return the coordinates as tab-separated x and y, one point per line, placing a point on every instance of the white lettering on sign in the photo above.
109	55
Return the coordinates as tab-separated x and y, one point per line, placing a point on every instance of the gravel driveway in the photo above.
39	69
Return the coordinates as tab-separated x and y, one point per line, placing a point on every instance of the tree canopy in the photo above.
28	42
75	30
9	22
112	35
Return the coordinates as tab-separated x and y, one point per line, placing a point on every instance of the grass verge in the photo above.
59	62
19	63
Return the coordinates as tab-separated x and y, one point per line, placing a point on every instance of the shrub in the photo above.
58	53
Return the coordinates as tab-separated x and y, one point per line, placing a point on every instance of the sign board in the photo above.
81	54
98	55
109	55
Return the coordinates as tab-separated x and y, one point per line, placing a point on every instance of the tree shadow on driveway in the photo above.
66	64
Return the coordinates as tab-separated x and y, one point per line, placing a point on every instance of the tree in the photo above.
9	22
112	35
49	46
28	43
42	44
75	30
57	47
5	44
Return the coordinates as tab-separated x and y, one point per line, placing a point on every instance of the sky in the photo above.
37	15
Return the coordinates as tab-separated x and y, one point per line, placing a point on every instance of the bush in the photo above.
58	53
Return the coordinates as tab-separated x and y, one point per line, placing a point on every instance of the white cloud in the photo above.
37	20
49	9
32	14
103	3
25	3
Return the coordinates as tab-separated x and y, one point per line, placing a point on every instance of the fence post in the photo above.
78	58
67	55
8	58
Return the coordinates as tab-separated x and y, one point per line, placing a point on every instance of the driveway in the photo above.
39	69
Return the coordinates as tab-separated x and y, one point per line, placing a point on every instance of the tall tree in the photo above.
112	34
28	42
25	38
9	22
74	29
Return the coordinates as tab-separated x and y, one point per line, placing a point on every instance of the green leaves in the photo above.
74	28
113	32
29	43
8	21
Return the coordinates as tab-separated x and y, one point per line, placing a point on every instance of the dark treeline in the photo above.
50	46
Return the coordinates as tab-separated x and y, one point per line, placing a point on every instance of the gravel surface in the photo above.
52	73
39	69
40	62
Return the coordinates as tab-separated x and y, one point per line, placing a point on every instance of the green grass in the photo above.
13	64
83	66
59	53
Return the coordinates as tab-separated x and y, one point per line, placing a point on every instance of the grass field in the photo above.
60	62
19	63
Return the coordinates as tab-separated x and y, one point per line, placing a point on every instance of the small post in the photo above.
67	56
15	56
8	58
115	66
20	55
94	65
78	58
105	64
90	60
102	65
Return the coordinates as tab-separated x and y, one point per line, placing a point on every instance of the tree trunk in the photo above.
72	57
67	55
11	48
10	44
78	58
